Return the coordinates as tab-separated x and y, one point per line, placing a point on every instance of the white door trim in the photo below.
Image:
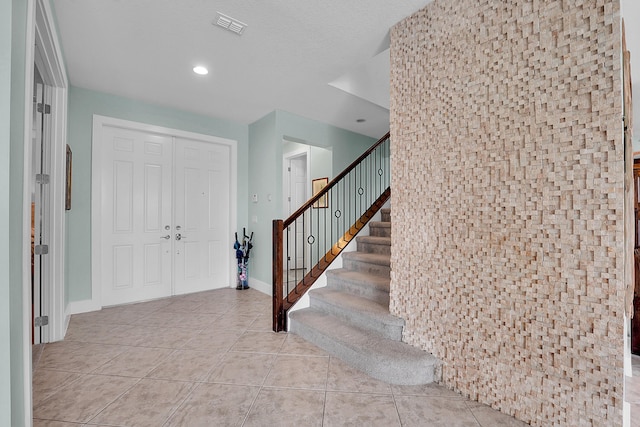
306	151
40	31
96	191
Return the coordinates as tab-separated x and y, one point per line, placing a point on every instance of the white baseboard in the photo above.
265	288
84	306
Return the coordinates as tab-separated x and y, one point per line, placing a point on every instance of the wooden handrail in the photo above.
334	181
374	164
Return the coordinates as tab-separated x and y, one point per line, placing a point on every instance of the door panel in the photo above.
136	262
202	198
298	192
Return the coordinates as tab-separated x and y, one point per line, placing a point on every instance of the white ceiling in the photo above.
325	60
304	57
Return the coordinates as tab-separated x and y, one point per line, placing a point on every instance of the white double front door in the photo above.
165	215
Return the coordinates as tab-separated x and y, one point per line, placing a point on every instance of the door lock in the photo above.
180	237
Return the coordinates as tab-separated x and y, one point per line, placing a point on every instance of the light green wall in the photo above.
83	104
265	163
13	23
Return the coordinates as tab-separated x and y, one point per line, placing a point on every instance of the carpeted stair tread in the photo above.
392	361
359	311
378	259
376	240
366	285
358	278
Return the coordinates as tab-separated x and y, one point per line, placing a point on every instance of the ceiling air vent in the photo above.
229	23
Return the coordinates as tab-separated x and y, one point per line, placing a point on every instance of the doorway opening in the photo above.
295	193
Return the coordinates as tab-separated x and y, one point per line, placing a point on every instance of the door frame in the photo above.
48	57
42	47
286	186
99	122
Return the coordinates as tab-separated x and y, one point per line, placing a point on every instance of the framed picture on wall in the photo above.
67	195
317	185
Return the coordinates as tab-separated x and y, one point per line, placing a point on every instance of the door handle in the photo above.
167	237
180	236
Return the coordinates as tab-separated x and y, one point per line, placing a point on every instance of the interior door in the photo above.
202	222
298	196
137	234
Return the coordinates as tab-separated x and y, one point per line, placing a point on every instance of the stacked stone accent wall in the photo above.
507	160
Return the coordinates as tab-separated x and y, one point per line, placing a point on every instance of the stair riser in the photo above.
379	231
361	289
386	215
374	248
365	267
367	362
360	320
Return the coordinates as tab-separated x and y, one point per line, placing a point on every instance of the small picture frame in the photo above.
67	195
317	185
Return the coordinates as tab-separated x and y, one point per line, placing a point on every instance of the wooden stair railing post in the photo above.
278	297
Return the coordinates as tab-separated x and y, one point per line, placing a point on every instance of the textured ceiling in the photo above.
299	56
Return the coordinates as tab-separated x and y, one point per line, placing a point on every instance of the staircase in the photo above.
350	319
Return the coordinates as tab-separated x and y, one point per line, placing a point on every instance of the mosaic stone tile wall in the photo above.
508	202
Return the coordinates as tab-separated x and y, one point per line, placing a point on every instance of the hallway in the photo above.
211	359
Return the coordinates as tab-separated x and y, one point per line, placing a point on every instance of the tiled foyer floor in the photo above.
210	359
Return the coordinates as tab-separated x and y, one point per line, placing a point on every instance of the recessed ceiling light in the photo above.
200	70
361	120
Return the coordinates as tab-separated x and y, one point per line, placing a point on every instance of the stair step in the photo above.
387	360
370	286
386	214
379	228
358	311
376	264
374	244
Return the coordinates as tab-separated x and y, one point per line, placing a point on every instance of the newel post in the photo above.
278	300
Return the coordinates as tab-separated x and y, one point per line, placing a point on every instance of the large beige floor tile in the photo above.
488	417
186	365
90	332
77	356
162	318
49	423
234	322
308	372
263	322
343	377
635	414
433	390
182	304
149	403
422	411
632	389
47	382
125	315
214	405
213	340
149	336
242	368
83	399
264	342
134	362
358	409
286	407
299	346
